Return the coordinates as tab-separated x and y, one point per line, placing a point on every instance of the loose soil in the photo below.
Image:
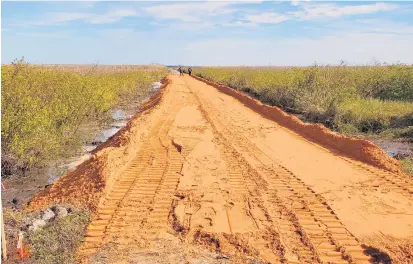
206	176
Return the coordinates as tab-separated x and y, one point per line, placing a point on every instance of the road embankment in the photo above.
84	186
359	149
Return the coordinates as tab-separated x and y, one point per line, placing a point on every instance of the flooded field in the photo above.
22	189
119	119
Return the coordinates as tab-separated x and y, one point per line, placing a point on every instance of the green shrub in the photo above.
407	165
43	107
366	99
373	115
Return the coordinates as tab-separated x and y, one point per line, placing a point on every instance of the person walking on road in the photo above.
180	71
190	71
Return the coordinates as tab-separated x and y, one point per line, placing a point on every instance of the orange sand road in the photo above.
212	181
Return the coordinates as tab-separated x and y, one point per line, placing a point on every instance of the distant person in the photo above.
190	71
181	72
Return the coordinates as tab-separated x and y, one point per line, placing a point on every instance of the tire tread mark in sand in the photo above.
109	209
295	250
398	183
165	176
245	186
288	238
243	189
275	212
142	181
318	221
393	181
137	203
162	200
296	245
325	231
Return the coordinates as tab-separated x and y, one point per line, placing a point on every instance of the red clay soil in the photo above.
119	138
84	186
359	149
201	178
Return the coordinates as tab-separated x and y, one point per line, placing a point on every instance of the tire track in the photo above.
138	206
394	182
332	241
257	210
246	190
295	248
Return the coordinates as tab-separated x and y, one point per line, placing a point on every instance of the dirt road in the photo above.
215	182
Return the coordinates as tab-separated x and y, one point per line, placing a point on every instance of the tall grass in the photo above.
43	107
356	99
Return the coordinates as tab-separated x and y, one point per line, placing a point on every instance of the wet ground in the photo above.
394	148
21	189
210	172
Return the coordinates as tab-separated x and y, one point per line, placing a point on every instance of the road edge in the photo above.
358	149
100	176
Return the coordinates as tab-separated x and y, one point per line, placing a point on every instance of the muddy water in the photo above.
23	188
395	148
119	119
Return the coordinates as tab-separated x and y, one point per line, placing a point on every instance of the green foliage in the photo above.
349	99
407	165
58	241
43	107
374	115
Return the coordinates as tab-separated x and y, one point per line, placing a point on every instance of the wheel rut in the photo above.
137	207
385	179
319	225
204	183
248	184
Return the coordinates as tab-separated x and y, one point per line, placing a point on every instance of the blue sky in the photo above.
208	33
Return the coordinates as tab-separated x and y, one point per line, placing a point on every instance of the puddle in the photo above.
156	85
119	120
119	124
89	148
55	173
105	134
395	148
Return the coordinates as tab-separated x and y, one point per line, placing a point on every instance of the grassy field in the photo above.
43	107
369	100
365	99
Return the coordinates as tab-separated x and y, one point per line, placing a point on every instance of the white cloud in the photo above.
376	26
189	12
266	18
355	48
297	2
49	35
111	16
185	26
240	24
62	17
192	26
310	12
316	11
